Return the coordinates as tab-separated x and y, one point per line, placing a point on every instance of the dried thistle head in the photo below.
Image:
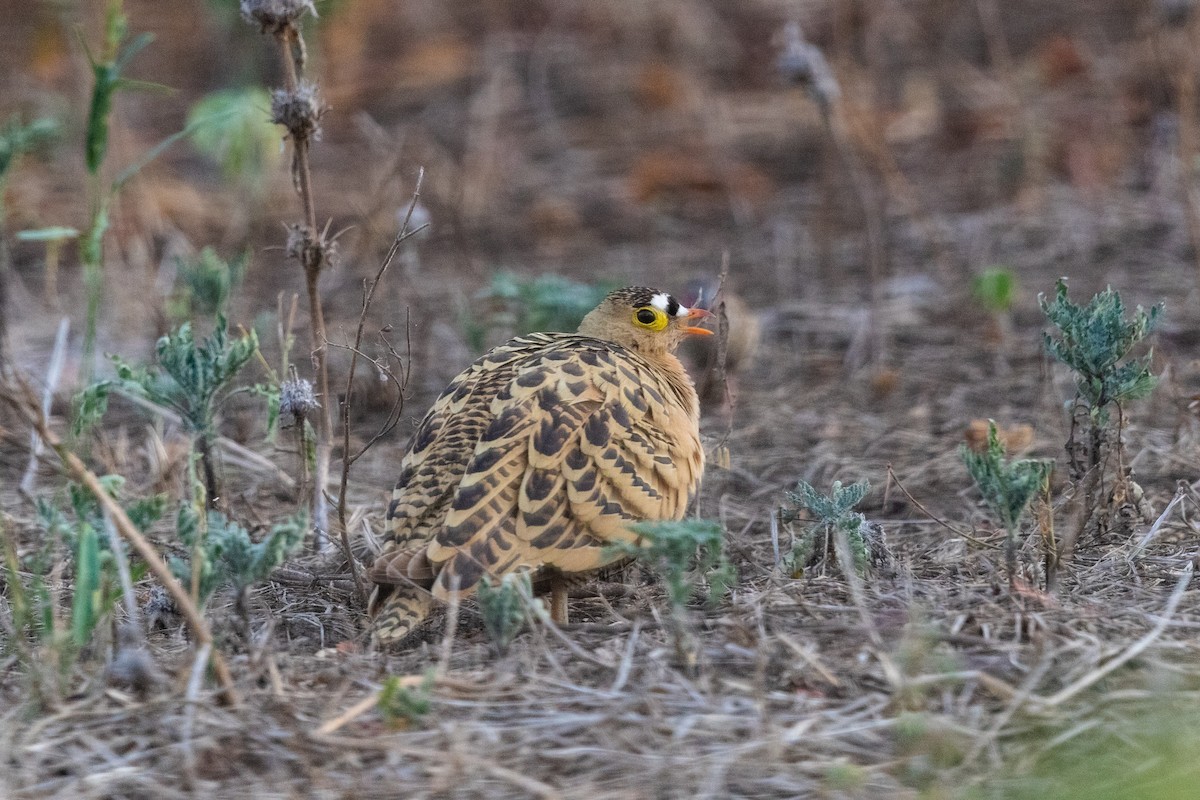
311	250
804	63
275	16
297	400
299	110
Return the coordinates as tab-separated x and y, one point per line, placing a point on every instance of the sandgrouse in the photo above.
539	455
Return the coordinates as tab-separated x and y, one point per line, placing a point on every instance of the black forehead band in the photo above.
642	296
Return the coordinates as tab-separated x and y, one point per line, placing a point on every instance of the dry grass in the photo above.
939	681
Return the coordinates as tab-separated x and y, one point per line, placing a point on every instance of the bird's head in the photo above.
645	320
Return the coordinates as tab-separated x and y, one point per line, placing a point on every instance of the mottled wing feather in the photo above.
586	437
437	458
444	443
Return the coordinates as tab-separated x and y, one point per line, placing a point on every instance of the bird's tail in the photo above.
404	611
401	602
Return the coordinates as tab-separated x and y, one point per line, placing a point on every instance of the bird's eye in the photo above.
650	317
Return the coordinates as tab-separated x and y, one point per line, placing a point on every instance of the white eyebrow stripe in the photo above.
660	301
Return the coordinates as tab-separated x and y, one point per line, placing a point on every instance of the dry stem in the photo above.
347	461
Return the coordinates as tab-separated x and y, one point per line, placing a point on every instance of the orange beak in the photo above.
694	314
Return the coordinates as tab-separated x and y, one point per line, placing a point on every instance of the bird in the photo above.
539	456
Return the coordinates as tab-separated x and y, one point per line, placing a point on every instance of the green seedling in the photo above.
205	282
223	553
995	289
192	378
687	554
519	305
1095	341
833	512
503	605
41	636
403	704
1007	487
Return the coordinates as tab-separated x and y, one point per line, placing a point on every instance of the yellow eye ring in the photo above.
654	319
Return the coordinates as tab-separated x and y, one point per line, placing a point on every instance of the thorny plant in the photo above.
1007	487
192	378
117	51
222	553
1095	341
688	554
49	645
298	108
833	512
403	703
204	284
503	604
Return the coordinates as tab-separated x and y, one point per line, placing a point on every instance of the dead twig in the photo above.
347	460
53	374
893	479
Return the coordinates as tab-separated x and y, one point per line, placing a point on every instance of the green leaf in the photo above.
233	128
1093	340
86	602
686	553
995	289
401	705
52	234
17	139
1006	486
832	511
90	406
227	554
502	606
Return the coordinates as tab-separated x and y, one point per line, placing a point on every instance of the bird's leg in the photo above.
558	600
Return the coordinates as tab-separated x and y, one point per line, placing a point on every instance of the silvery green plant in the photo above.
49	644
193	378
1095	341
687	553
502	604
1007	486
834	511
222	552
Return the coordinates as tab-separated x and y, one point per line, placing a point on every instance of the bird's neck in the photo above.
677	378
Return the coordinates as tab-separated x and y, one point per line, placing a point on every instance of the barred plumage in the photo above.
539	454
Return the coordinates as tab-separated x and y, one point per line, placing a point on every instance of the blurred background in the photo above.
619	141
